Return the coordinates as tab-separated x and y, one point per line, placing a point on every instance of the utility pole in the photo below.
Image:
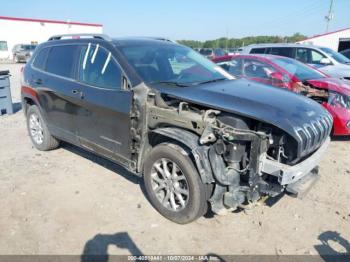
226	38
330	15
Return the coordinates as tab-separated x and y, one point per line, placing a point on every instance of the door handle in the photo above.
78	92
38	81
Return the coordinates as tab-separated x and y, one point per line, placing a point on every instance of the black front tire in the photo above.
47	141
196	205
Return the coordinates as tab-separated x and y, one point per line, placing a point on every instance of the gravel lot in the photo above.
68	201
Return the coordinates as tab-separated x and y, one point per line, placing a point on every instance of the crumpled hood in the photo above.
275	106
333	84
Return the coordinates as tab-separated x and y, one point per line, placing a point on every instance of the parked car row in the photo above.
325	59
199	136
332	93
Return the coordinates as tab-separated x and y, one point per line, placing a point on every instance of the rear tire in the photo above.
38	131
173	184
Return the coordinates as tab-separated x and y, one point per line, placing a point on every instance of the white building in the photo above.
32	31
337	40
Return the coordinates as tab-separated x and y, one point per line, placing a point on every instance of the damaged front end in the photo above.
245	160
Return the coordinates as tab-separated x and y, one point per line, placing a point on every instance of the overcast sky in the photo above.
190	19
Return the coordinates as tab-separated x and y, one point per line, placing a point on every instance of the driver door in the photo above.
104	108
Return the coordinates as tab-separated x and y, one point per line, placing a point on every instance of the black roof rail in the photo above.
160	38
77	36
154	38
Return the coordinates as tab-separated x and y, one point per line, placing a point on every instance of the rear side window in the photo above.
98	68
40	59
282	51
61	60
258	51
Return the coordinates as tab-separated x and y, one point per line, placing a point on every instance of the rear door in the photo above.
53	79
104	109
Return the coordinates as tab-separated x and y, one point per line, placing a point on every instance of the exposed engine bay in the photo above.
229	150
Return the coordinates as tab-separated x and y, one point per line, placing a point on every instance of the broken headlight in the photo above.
340	100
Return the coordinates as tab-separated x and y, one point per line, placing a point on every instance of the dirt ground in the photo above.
68	201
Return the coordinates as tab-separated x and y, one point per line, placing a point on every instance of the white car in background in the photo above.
324	59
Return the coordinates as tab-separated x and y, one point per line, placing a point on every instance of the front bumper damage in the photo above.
234	161
268	178
291	174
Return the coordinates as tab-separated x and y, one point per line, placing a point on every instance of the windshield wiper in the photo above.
173	83
211	81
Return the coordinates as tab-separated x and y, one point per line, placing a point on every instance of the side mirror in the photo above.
325	61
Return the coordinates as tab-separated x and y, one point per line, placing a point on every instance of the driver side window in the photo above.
98	68
309	56
316	57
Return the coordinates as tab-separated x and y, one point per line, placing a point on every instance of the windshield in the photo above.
298	69
219	52
335	55
206	51
172	63
28	47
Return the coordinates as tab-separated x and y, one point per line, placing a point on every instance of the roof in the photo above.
329	33
48	21
129	41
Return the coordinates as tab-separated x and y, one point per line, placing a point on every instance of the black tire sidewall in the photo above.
46	141
197	205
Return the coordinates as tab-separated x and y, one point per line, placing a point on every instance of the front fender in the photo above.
190	141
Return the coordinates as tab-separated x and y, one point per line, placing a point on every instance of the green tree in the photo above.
224	42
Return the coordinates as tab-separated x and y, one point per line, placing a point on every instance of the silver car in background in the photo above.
325	59
22	52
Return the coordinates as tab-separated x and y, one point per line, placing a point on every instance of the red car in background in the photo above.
283	72
213	53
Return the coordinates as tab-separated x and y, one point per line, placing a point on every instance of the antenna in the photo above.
330	16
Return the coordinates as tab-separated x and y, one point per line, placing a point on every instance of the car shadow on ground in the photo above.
118	169
340	138
331	242
96	249
16	107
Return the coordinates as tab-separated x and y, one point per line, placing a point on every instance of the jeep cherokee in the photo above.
198	136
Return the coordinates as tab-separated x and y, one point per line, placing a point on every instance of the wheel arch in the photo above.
189	142
27	102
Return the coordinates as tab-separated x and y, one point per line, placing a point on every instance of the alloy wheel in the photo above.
170	185
36	129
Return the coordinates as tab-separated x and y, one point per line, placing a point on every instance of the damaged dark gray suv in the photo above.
198	136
